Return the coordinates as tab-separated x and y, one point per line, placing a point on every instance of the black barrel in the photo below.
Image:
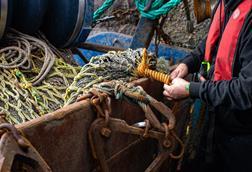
5	15
28	15
68	22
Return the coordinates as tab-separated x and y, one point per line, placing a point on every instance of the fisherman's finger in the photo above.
174	74
167	95
167	87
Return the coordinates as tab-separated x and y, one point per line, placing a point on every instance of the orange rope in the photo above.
143	70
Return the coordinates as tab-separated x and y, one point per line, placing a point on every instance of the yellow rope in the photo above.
144	71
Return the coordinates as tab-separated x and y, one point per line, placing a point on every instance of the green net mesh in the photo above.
111	66
32	81
35	82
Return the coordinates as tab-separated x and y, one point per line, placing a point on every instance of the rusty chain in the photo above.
104	125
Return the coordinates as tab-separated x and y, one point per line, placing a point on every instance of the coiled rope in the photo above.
144	71
32	81
20	55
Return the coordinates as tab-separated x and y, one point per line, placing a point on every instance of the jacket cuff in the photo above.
189	63
194	89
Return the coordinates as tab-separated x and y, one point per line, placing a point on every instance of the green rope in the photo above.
158	8
102	9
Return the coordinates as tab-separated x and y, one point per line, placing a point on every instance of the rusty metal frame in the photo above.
97	138
61	137
102	128
17	153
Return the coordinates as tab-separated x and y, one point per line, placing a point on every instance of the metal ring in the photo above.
79	23
3	16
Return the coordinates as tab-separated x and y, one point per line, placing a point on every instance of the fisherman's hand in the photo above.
180	72
179	89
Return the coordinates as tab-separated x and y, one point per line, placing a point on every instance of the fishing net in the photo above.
33	80
111	66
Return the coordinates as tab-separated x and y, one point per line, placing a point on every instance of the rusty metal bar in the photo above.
79	53
98	47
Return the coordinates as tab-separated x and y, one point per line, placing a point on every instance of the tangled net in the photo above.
111	66
33	80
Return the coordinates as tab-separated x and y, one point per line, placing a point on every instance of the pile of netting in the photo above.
111	66
33	80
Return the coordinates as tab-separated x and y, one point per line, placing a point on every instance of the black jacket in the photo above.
231	100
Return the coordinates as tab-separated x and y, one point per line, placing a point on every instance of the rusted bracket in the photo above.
17	153
165	111
100	130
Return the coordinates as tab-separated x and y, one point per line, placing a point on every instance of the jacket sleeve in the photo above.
194	59
235	94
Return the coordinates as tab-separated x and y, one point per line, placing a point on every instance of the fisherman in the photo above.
224	63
